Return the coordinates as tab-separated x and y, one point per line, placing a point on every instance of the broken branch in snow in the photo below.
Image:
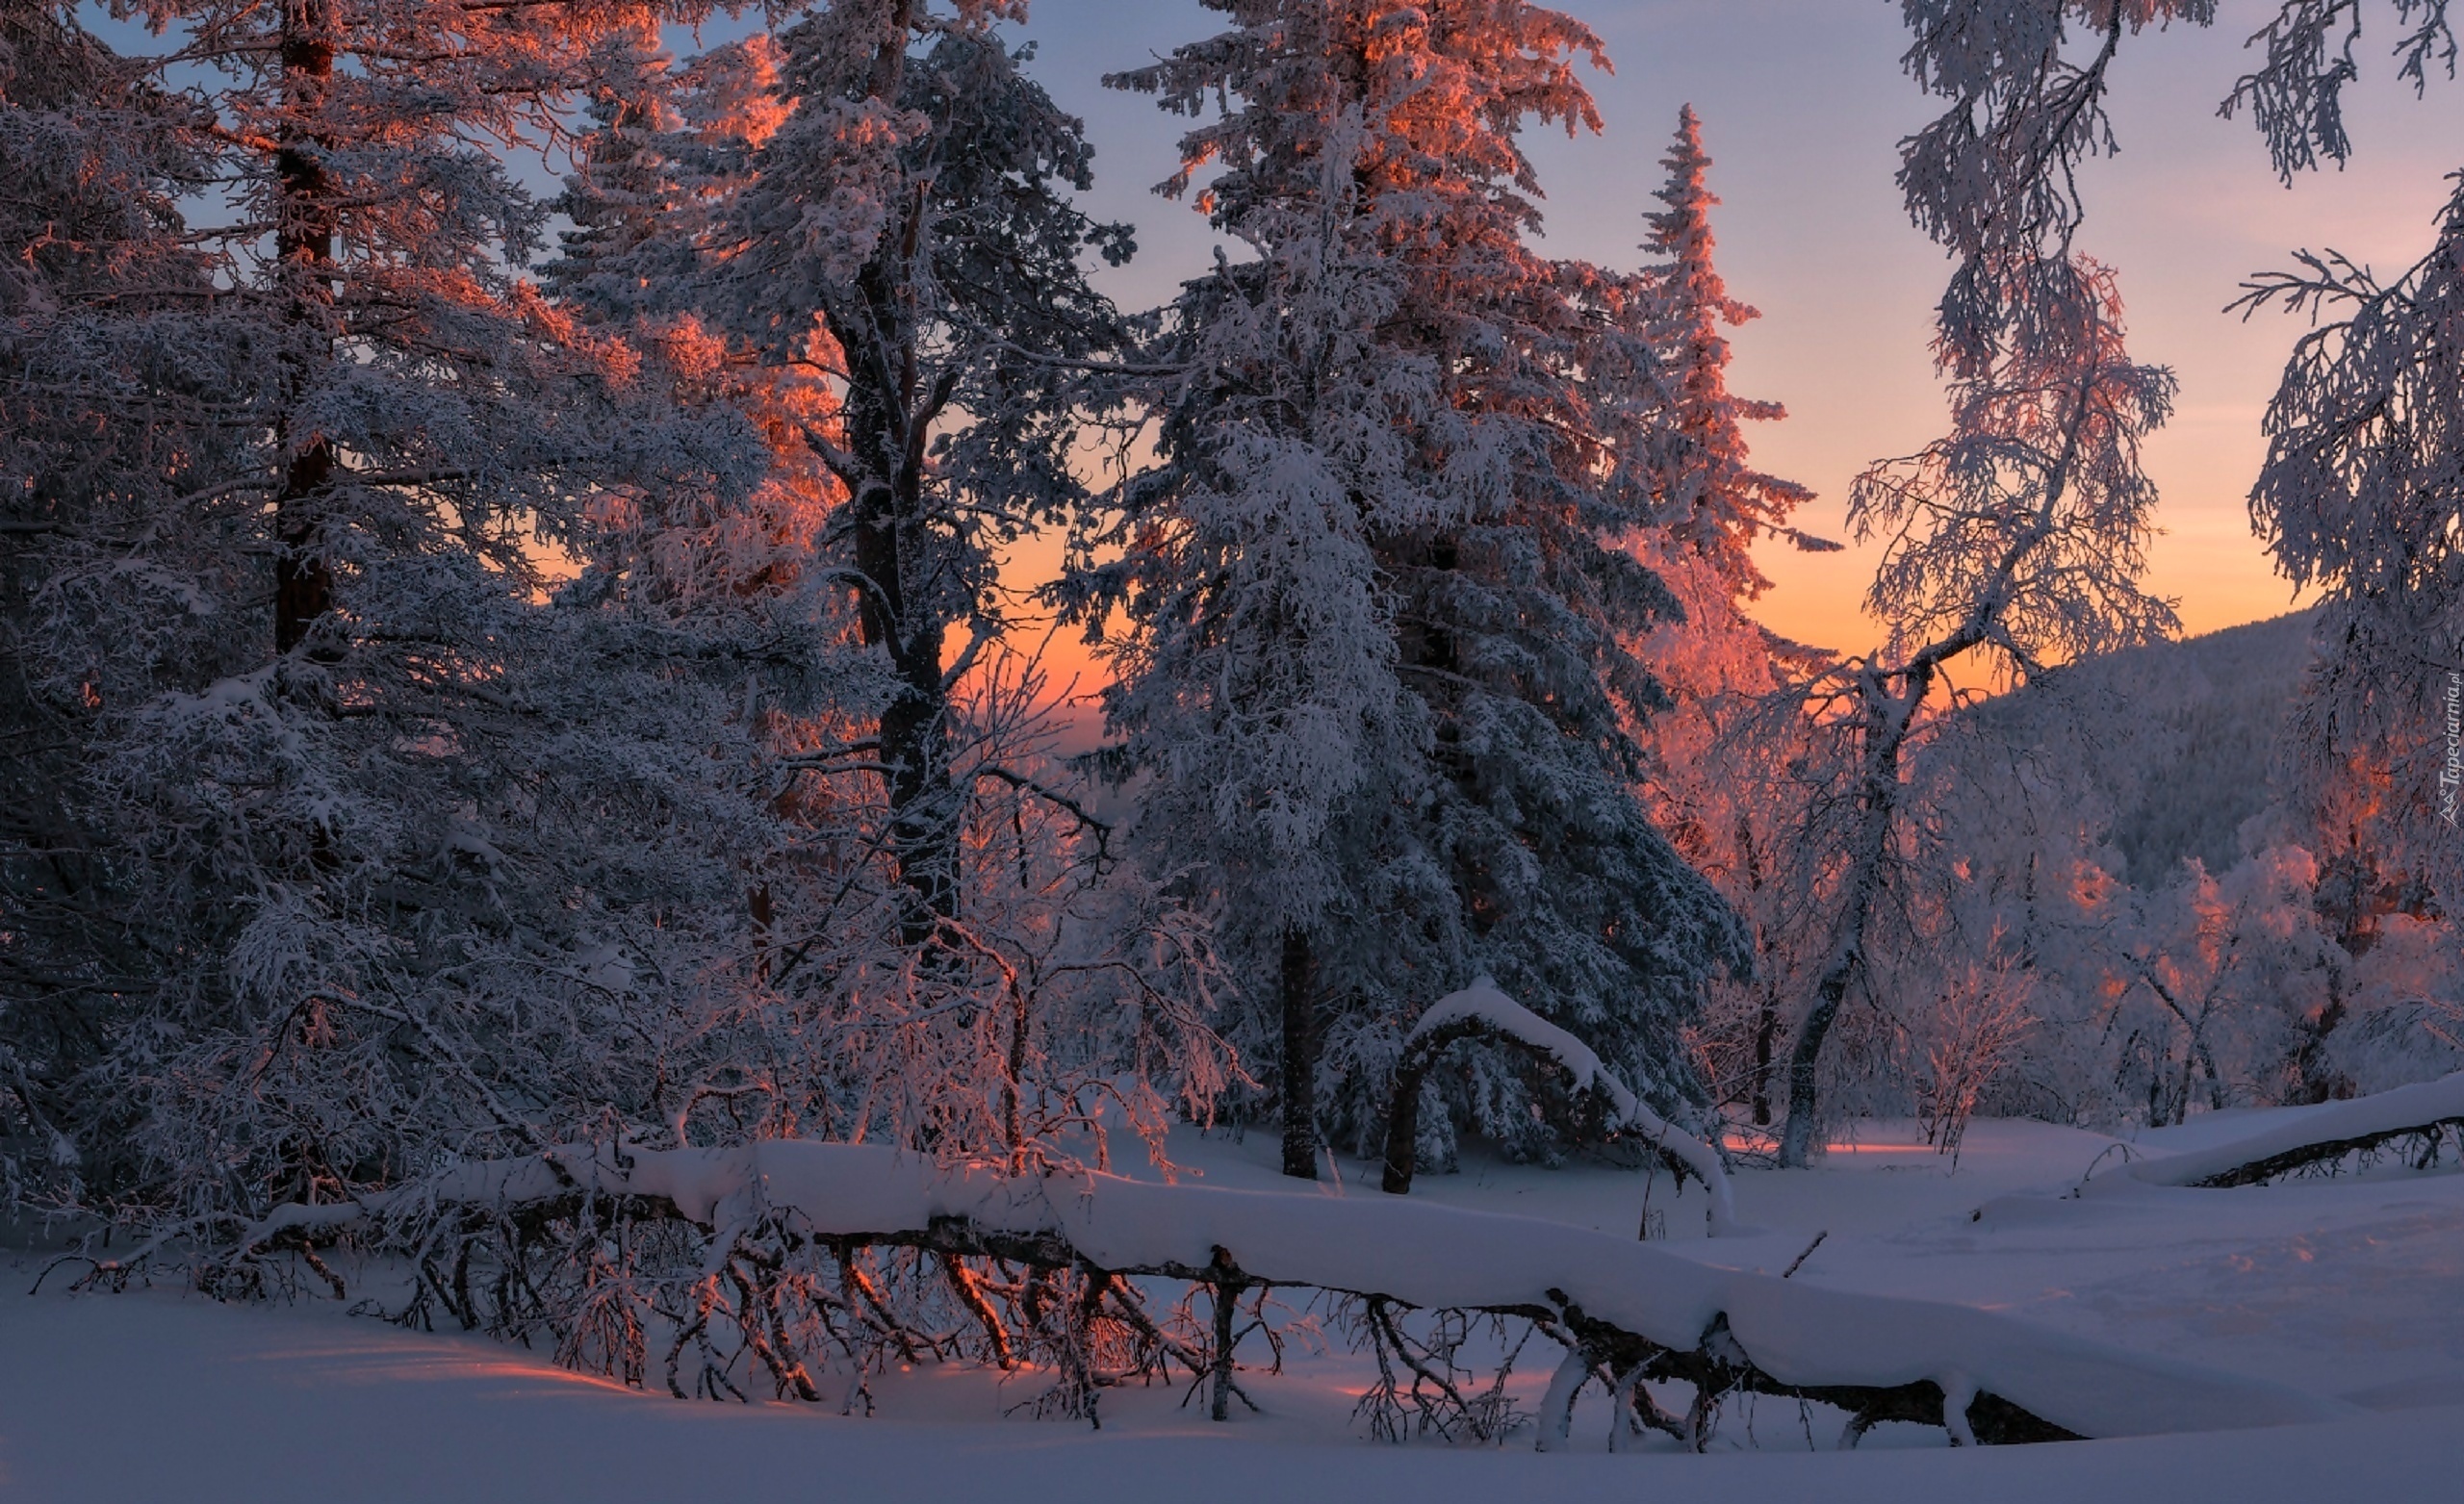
1799	1261
1480	1011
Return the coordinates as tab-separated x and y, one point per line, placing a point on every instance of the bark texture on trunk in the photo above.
891	406
1299	1084
1889	719
303	581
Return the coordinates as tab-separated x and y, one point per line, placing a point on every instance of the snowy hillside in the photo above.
2176	737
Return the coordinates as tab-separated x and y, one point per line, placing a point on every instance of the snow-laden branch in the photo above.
1481	1011
2315	1136
1636	1303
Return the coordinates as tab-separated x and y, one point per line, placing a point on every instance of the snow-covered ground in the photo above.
2351	1288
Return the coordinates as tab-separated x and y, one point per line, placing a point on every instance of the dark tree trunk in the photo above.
2315	1077
1403	1123
914	725
2350	895
1766	1030
1766	1023
1300	983
1887	719
1804	1061
304	253
891	407
758	907
1226	1288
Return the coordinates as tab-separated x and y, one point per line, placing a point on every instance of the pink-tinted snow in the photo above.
2351	1290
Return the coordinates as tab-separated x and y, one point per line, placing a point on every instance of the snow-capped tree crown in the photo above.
1689	447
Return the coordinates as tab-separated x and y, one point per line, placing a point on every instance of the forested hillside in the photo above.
2176	738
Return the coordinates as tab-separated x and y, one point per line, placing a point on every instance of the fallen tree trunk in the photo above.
1638	1310
2304	1137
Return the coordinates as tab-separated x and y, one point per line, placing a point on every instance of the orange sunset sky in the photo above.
1802	105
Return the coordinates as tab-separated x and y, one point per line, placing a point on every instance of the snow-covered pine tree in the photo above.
662	170
665	167
668	150
1382	664
103	310
1690	453
1717	762
399	848
1001	1010
1260	691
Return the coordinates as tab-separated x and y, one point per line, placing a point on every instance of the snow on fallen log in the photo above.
2315	1136
1481	1011
1880	1357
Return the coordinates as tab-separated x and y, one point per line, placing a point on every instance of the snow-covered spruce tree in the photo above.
669	158
103	313
1381	667
1717	777
1686	447
2020	536
400	850
669	151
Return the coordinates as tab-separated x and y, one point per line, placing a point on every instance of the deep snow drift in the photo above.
2350	1289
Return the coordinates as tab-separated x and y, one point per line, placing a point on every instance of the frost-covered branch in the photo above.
1480	1011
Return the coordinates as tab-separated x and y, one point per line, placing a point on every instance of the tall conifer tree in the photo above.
1383	654
1690	446
1717	754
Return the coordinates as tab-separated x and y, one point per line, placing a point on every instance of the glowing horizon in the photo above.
1803	106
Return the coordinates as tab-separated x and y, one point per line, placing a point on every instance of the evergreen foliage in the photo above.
1385	663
